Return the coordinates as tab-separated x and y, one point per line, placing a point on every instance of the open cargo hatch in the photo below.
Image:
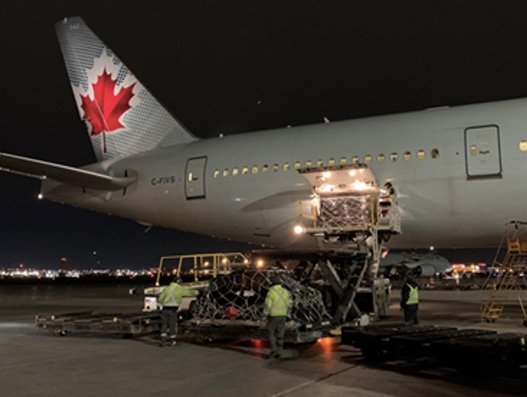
347	200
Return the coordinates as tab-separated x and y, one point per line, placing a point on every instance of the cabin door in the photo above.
195	178
482	151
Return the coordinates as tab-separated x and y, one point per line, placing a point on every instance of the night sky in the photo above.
232	67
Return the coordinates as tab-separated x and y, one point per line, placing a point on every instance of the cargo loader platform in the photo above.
142	324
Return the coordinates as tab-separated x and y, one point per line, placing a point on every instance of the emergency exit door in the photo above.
195	178
482	151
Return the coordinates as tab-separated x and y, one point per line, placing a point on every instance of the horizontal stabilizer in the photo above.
62	173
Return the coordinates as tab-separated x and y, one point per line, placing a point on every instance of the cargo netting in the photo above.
343	212
241	295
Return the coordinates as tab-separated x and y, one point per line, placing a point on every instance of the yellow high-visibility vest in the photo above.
413	298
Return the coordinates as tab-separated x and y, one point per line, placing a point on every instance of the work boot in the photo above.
172	341
163	340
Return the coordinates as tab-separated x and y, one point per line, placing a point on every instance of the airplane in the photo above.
424	265
457	171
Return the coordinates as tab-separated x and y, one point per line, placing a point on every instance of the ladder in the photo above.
511	259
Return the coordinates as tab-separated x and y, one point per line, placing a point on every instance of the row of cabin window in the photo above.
420	154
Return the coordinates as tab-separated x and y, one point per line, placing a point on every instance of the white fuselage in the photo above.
442	204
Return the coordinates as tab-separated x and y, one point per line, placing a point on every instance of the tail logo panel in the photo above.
105	109
122	116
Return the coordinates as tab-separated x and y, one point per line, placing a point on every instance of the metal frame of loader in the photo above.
350	216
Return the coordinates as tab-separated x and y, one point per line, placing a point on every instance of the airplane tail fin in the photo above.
122	117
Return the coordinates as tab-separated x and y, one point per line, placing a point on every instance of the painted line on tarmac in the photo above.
312	382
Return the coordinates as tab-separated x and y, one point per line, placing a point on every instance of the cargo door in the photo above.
195	178
482	151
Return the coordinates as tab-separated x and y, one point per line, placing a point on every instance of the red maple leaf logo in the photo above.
106	108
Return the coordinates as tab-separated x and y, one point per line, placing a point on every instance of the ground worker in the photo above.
170	299
410	299
277	305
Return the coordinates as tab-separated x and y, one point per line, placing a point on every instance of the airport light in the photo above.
260	263
40	196
299	229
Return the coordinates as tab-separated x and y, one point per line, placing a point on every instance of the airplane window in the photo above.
255	169
523	146
331	162
407	156
265	168
286	167
234	171
225	172
355	160
421	154
434	153
343	161
367	159
473	150
380	158
298	165
309	164
245	170
216	173
393	156
320	163
276	167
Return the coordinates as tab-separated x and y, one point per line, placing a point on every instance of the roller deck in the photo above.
129	324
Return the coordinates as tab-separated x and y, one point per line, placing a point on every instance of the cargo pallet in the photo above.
126	324
467	350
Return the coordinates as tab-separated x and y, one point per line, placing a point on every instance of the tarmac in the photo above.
35	363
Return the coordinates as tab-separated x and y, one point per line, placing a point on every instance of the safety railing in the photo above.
204	265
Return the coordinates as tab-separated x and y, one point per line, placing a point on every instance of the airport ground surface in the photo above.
33	363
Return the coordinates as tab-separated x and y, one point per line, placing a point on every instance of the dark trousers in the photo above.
169	321
410	314
276	328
